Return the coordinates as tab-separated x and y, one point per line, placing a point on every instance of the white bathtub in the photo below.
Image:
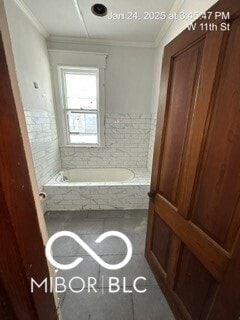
96	175
98	189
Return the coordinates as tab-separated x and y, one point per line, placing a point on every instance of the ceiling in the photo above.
73	18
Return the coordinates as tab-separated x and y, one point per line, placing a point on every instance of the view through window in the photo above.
81	105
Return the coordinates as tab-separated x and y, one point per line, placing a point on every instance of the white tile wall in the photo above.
97	198
151	141
42	133
127	142
102	195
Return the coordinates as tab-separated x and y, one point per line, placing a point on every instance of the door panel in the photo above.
6	311
160	245
195	285
194	212
184	78
216	208
212	256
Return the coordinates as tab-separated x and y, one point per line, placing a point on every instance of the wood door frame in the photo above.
22	226
233	260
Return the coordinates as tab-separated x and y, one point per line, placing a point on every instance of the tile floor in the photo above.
103	305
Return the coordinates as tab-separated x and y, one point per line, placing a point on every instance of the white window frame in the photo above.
77	59
62	70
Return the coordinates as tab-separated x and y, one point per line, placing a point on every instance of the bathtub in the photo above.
96	175
98	189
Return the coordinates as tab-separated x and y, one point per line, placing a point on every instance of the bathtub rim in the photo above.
60	176
142	177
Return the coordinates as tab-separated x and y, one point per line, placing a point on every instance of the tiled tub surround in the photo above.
99	195
127	142
151	141
42	134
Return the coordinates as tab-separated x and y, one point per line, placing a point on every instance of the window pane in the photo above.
81	91
82	127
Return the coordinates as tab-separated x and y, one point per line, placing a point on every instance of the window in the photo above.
81	107
79	80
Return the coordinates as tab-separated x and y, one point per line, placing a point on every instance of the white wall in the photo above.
128	96
32	65
129	75
132	87
189	6
31	59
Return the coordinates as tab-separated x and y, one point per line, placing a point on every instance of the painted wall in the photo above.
129	75
132	89
128	96
32	65
175	29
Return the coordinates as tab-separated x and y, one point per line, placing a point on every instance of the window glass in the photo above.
81	91
82	128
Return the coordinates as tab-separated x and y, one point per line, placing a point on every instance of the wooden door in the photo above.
21	243
192	244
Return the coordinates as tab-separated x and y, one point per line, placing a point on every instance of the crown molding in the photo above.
78	52
28	13
77	40
167	23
